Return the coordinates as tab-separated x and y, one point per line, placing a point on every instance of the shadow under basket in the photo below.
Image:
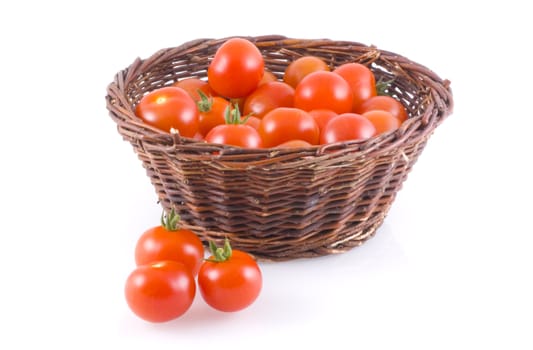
281	204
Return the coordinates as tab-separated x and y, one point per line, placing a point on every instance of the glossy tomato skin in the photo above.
383	121
361	81
192	85
385	103
230	285
323	90
211	114
169	107
161	291
347	127
158	243
285	124
236	69
301	67
294	144
267	97
239	135
268	77
322	117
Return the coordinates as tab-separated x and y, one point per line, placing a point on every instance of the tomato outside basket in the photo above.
281	204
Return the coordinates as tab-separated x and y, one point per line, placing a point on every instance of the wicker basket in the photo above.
281	204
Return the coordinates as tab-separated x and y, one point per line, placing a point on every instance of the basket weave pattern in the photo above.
281	204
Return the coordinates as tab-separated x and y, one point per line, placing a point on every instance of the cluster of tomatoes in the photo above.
242	104
162	287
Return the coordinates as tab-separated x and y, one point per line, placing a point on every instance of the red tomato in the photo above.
192	85
229	280
302	67
252	121
267	97
169	107
284	124
361	81
347	127
383	121
268	77
322	117
385	103
211	112
236	69
294	144
236	135
321	90
169	242
234	132
161	291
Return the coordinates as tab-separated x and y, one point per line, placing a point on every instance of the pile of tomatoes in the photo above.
169	259
243	104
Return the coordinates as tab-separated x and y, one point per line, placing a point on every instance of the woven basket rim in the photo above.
157	136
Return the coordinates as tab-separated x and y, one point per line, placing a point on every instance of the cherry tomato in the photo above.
161	291
385	103
234	132
361	81
321	90
169	242
302	67
347	127
322	117
229	280
252	121
268	77
167	108
284	124
211	112
192	85
383	121
267	97
294	144
236	69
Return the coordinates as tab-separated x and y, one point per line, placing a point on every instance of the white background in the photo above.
450	268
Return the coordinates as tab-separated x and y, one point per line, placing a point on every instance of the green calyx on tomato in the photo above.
170	221
205	103
383	86
233	115
220	254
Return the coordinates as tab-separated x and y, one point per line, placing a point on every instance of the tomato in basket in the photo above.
361	81
324	90
169	108
385	103
301	67
347	127
267	97
236	69
235	132
285	124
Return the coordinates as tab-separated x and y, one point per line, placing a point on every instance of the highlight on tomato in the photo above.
236	69
301	67
385	103
347	127
361	81
169	108
170	242
285	124
267	97
194	86
160	291
235	132
324	90
383	121
229	280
